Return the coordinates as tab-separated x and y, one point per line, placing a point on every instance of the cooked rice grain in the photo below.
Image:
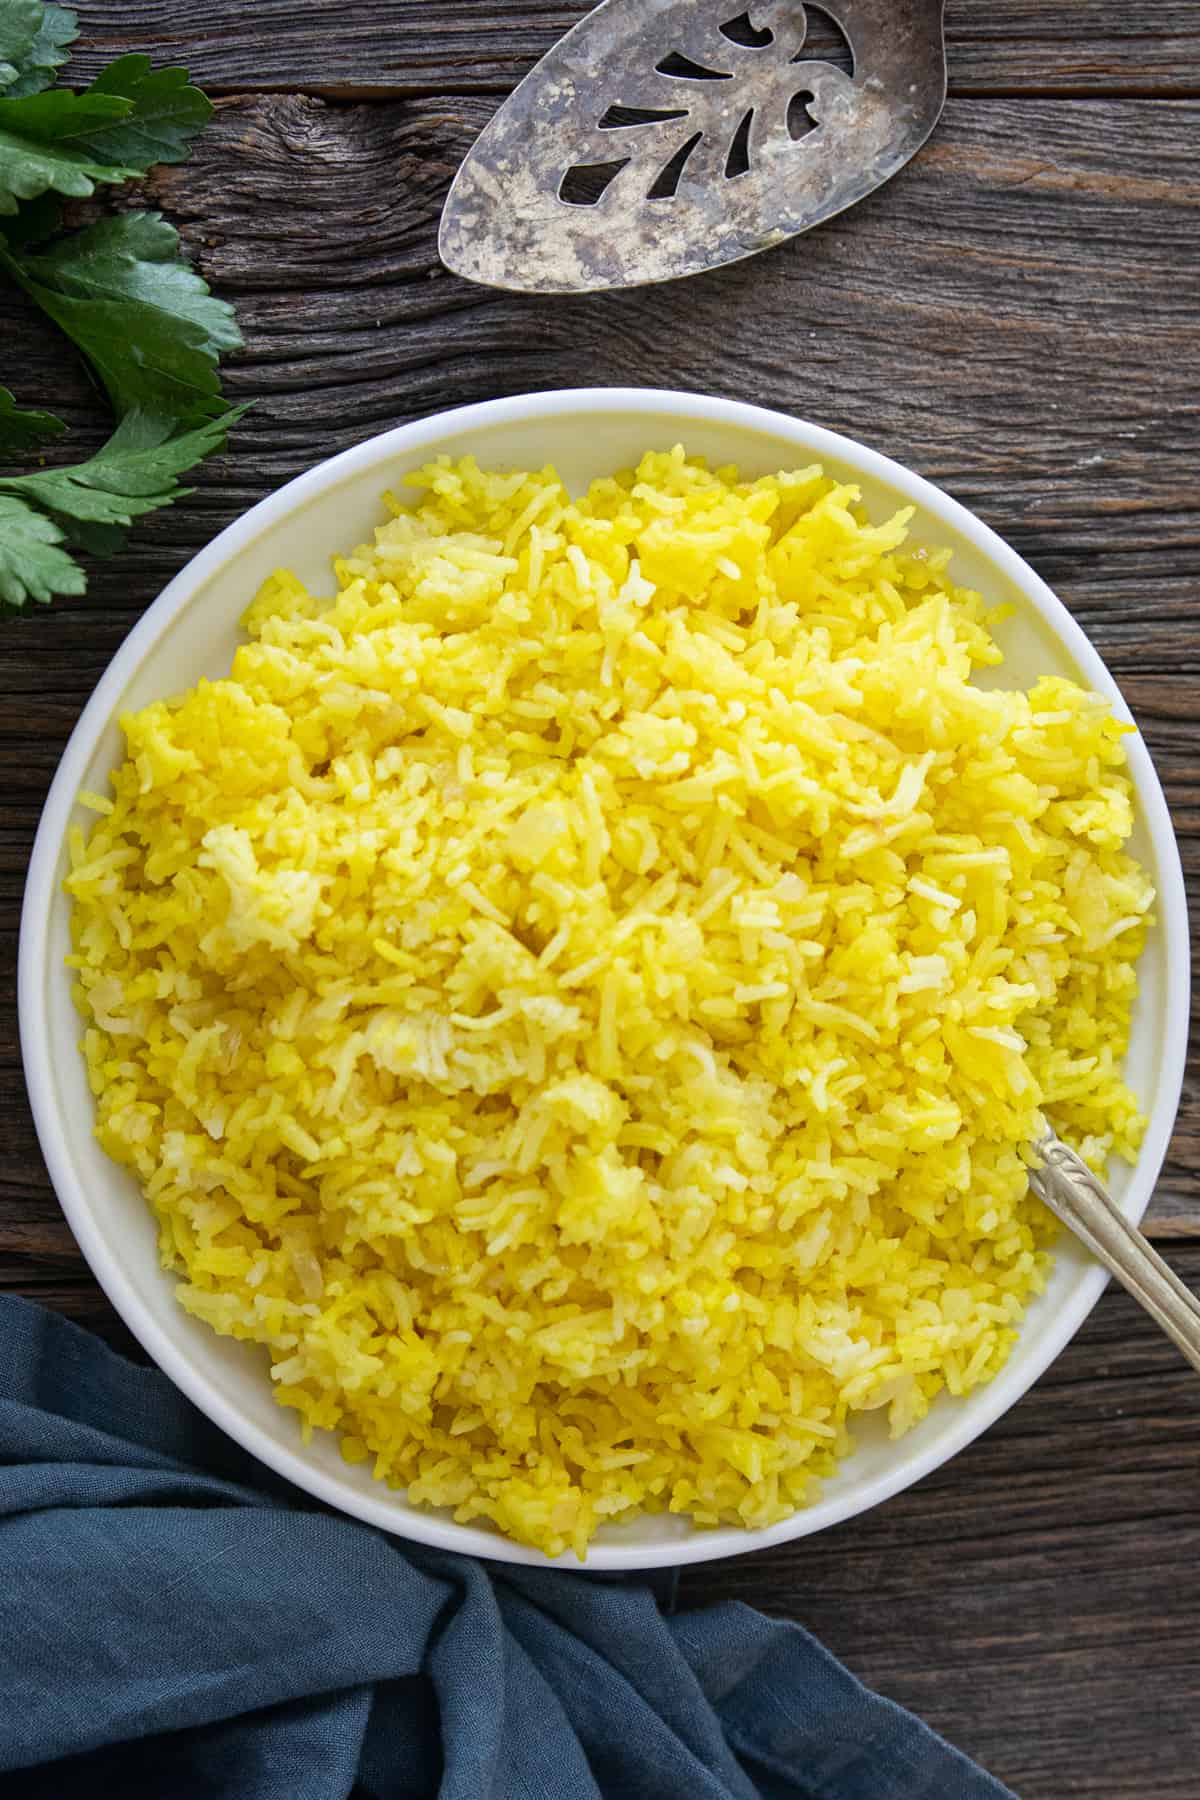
578	994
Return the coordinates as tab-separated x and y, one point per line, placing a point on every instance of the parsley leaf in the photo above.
167	113
47	49
19	23
44	148
146	322
33	564
134	473
120	289
129	119
21	430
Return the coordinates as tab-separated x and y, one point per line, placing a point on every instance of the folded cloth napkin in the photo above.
175	1621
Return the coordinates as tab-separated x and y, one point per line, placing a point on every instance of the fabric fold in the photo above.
178	1621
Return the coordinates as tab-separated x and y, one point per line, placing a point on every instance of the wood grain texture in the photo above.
485	46
1033	1600
56	1283
1014	316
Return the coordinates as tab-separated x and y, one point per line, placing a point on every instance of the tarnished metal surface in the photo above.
1063	1182
792	113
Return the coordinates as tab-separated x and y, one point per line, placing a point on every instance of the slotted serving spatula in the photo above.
662	137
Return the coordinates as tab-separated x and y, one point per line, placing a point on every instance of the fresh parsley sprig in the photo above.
120	289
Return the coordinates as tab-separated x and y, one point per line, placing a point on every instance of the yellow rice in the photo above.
578	994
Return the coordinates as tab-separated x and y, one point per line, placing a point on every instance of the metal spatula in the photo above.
662	137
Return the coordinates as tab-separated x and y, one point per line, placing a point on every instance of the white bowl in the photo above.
192	630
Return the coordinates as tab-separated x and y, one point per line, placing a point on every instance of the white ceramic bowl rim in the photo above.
410	441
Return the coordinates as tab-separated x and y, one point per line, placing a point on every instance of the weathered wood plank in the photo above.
478	46
1017	322
55	1282
1015	316
1027	1600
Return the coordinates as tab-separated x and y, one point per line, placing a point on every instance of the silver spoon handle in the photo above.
1067	1186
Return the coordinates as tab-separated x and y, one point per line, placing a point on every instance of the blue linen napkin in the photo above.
177	1622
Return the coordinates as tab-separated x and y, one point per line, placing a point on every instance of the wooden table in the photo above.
1017	317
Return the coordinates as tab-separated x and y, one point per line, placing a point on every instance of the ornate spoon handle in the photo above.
1067	1186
